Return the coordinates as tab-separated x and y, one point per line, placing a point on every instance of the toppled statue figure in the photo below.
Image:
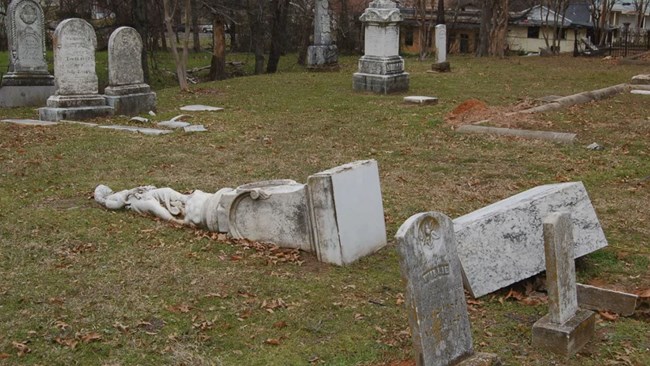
195	209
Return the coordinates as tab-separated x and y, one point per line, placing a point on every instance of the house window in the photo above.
408	37
560	34
533	32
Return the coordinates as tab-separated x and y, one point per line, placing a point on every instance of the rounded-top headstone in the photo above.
26	36
124	57
74	44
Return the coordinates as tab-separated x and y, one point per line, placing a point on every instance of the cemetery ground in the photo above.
83	285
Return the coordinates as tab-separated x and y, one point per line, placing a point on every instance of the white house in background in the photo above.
527	29
625	11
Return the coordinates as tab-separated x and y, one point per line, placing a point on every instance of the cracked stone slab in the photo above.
87	124
145	131
503	243
29	122
418	99
201	108
173	124
641	92
195	128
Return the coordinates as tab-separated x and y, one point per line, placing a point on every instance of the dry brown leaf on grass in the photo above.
21	347
90	337
608	315
280	324
67	342
180	308
272	342
4	356
644	294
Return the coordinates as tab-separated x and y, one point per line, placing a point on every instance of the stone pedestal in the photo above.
381	69
23	96
74	107
130	100
564	339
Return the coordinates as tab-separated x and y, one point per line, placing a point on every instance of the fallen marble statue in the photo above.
338	214
194	209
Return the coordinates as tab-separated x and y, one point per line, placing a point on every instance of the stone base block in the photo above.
441	67
25	96
381	84
132	104
643	79
78	113
564	339
481	359
76	101
322	56
28	79
376	65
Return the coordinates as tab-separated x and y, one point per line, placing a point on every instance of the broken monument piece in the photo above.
381	69
127	92
502	243
27	82
338	214
566	328
76	95
435	299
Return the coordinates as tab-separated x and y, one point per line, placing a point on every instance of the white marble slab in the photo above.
503	243
195	128
641	92
145	131
173	124
418	99
29	122
200	108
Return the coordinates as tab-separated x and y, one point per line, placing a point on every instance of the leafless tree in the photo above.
170	8
553	15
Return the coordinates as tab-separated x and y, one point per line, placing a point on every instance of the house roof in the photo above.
540	15
627	7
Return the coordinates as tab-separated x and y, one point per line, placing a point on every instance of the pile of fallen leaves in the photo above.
271	253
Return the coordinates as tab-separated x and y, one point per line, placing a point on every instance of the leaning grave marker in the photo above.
502	243
127	92
76	95
435	300
566	328
28	82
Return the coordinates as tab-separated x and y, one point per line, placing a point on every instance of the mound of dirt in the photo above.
474	111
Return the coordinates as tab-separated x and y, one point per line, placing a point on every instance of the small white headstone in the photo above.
441	43
74	58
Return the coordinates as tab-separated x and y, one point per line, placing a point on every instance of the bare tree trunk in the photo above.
218	63
499	28
196	46
141	22
280	10
441	12
256	20
181	62
482	50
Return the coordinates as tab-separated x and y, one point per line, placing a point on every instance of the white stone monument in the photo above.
338	215
441	65
28	82
435	299
381	69
566	328
502	243
76	95
127	92
323	54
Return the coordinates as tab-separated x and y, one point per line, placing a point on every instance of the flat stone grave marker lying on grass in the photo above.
338	214
200	108
127	92
502	243
559	137
173	124
566	328
643	79
601	299
416	99
145	131
640	92
29	122
195	128
27	82
381	69
140	119
435	299
77	95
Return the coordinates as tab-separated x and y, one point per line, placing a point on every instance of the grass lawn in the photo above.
82	285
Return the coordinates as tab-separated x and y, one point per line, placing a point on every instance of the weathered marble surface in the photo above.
29	122
142	130
417	99
381	69
201	108
435	300
323	52
347	211
601	299
173	124
195	128
564	339
643	79
502	243
560	267
441	43
640	92
26	38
